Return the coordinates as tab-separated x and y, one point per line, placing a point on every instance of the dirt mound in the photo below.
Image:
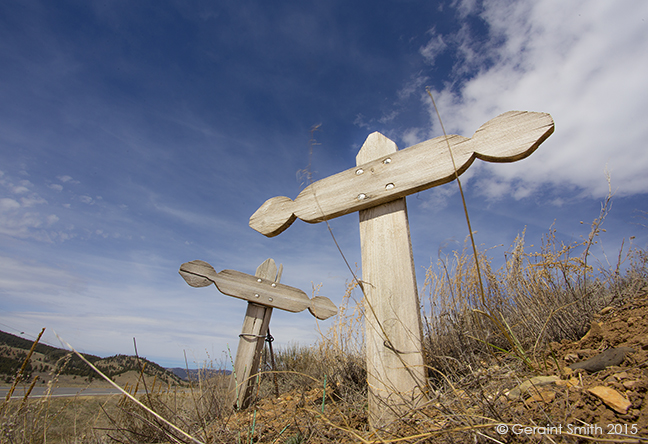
584	404
576	401
504	402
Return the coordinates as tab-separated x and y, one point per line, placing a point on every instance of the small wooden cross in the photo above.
376	188
263	293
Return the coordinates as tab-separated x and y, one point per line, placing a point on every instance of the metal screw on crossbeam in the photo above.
376	187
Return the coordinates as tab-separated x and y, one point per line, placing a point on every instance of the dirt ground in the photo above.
624	325
561	406
568	409
564	410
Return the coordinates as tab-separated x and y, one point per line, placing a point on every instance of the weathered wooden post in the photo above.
377	188
263	293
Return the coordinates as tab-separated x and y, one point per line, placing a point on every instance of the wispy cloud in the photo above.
23	212
570	60
433	48
412	87
67	179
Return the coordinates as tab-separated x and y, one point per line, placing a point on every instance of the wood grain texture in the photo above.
322	308
395	371
507	138
255	289
248	353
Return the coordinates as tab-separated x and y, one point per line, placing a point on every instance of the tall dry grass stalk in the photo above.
338	356
480	301
45	418
538	296
478	320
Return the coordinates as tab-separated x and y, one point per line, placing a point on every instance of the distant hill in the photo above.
196	374
46	359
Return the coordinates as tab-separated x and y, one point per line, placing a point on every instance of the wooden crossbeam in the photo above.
509	137
256	289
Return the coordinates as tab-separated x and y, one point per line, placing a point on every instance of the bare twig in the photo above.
131	397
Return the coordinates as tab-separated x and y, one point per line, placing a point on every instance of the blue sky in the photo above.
135	136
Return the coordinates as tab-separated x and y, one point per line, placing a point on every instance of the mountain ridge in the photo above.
47	360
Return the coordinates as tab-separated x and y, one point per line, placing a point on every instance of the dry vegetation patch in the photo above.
497	357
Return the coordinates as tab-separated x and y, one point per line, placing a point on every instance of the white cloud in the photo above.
465	7
35	284
412	136
413	86
434	47
32	200
437	198
193	218
28	217
23	226
66	179
361	122
16	217
20	190
7	204
580	61
388	117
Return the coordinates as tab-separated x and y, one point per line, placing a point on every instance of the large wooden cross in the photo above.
376	188
263	293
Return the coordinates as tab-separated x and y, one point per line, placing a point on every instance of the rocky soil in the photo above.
501	402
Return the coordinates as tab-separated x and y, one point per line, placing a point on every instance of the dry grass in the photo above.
482	327
536	297
48	419
473	345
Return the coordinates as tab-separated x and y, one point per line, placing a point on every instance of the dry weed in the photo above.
537	297
483	327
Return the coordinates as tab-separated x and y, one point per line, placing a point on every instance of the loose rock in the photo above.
537	381
610	357
543	395
571	357
606	310
613	399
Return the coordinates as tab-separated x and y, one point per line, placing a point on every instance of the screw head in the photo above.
389	186
362	196
387	160
359	171
256	295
